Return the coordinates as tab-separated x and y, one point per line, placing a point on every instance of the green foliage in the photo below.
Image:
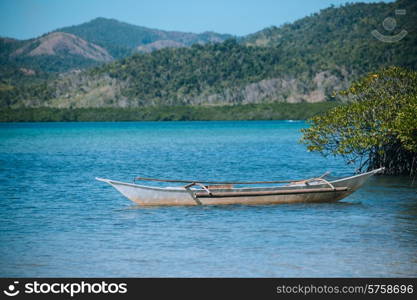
378	127
55	64
174	74
341	36
273	111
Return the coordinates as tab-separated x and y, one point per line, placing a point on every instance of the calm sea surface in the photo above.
56	220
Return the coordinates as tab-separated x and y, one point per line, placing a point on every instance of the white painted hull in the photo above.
151	196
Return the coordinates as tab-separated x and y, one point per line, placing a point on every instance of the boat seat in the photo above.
220	186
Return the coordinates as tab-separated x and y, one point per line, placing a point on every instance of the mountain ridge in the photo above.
121	38
90	43
305	61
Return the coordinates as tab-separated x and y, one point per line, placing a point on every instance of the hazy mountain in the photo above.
121	38
88	44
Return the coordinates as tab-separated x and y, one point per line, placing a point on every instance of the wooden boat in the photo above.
196	192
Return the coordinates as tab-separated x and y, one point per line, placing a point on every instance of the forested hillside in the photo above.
305	61
342	36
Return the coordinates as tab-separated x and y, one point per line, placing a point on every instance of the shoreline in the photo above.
244	112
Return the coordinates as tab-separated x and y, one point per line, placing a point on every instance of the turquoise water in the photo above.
56	220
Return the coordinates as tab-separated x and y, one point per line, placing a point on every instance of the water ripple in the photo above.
56	220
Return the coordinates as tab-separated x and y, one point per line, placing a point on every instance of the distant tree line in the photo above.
267	111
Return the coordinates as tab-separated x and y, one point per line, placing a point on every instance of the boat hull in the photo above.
156	196
276	199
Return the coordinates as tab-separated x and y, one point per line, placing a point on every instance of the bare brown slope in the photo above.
60	43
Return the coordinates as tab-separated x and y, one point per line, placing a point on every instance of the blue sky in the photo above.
24	19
